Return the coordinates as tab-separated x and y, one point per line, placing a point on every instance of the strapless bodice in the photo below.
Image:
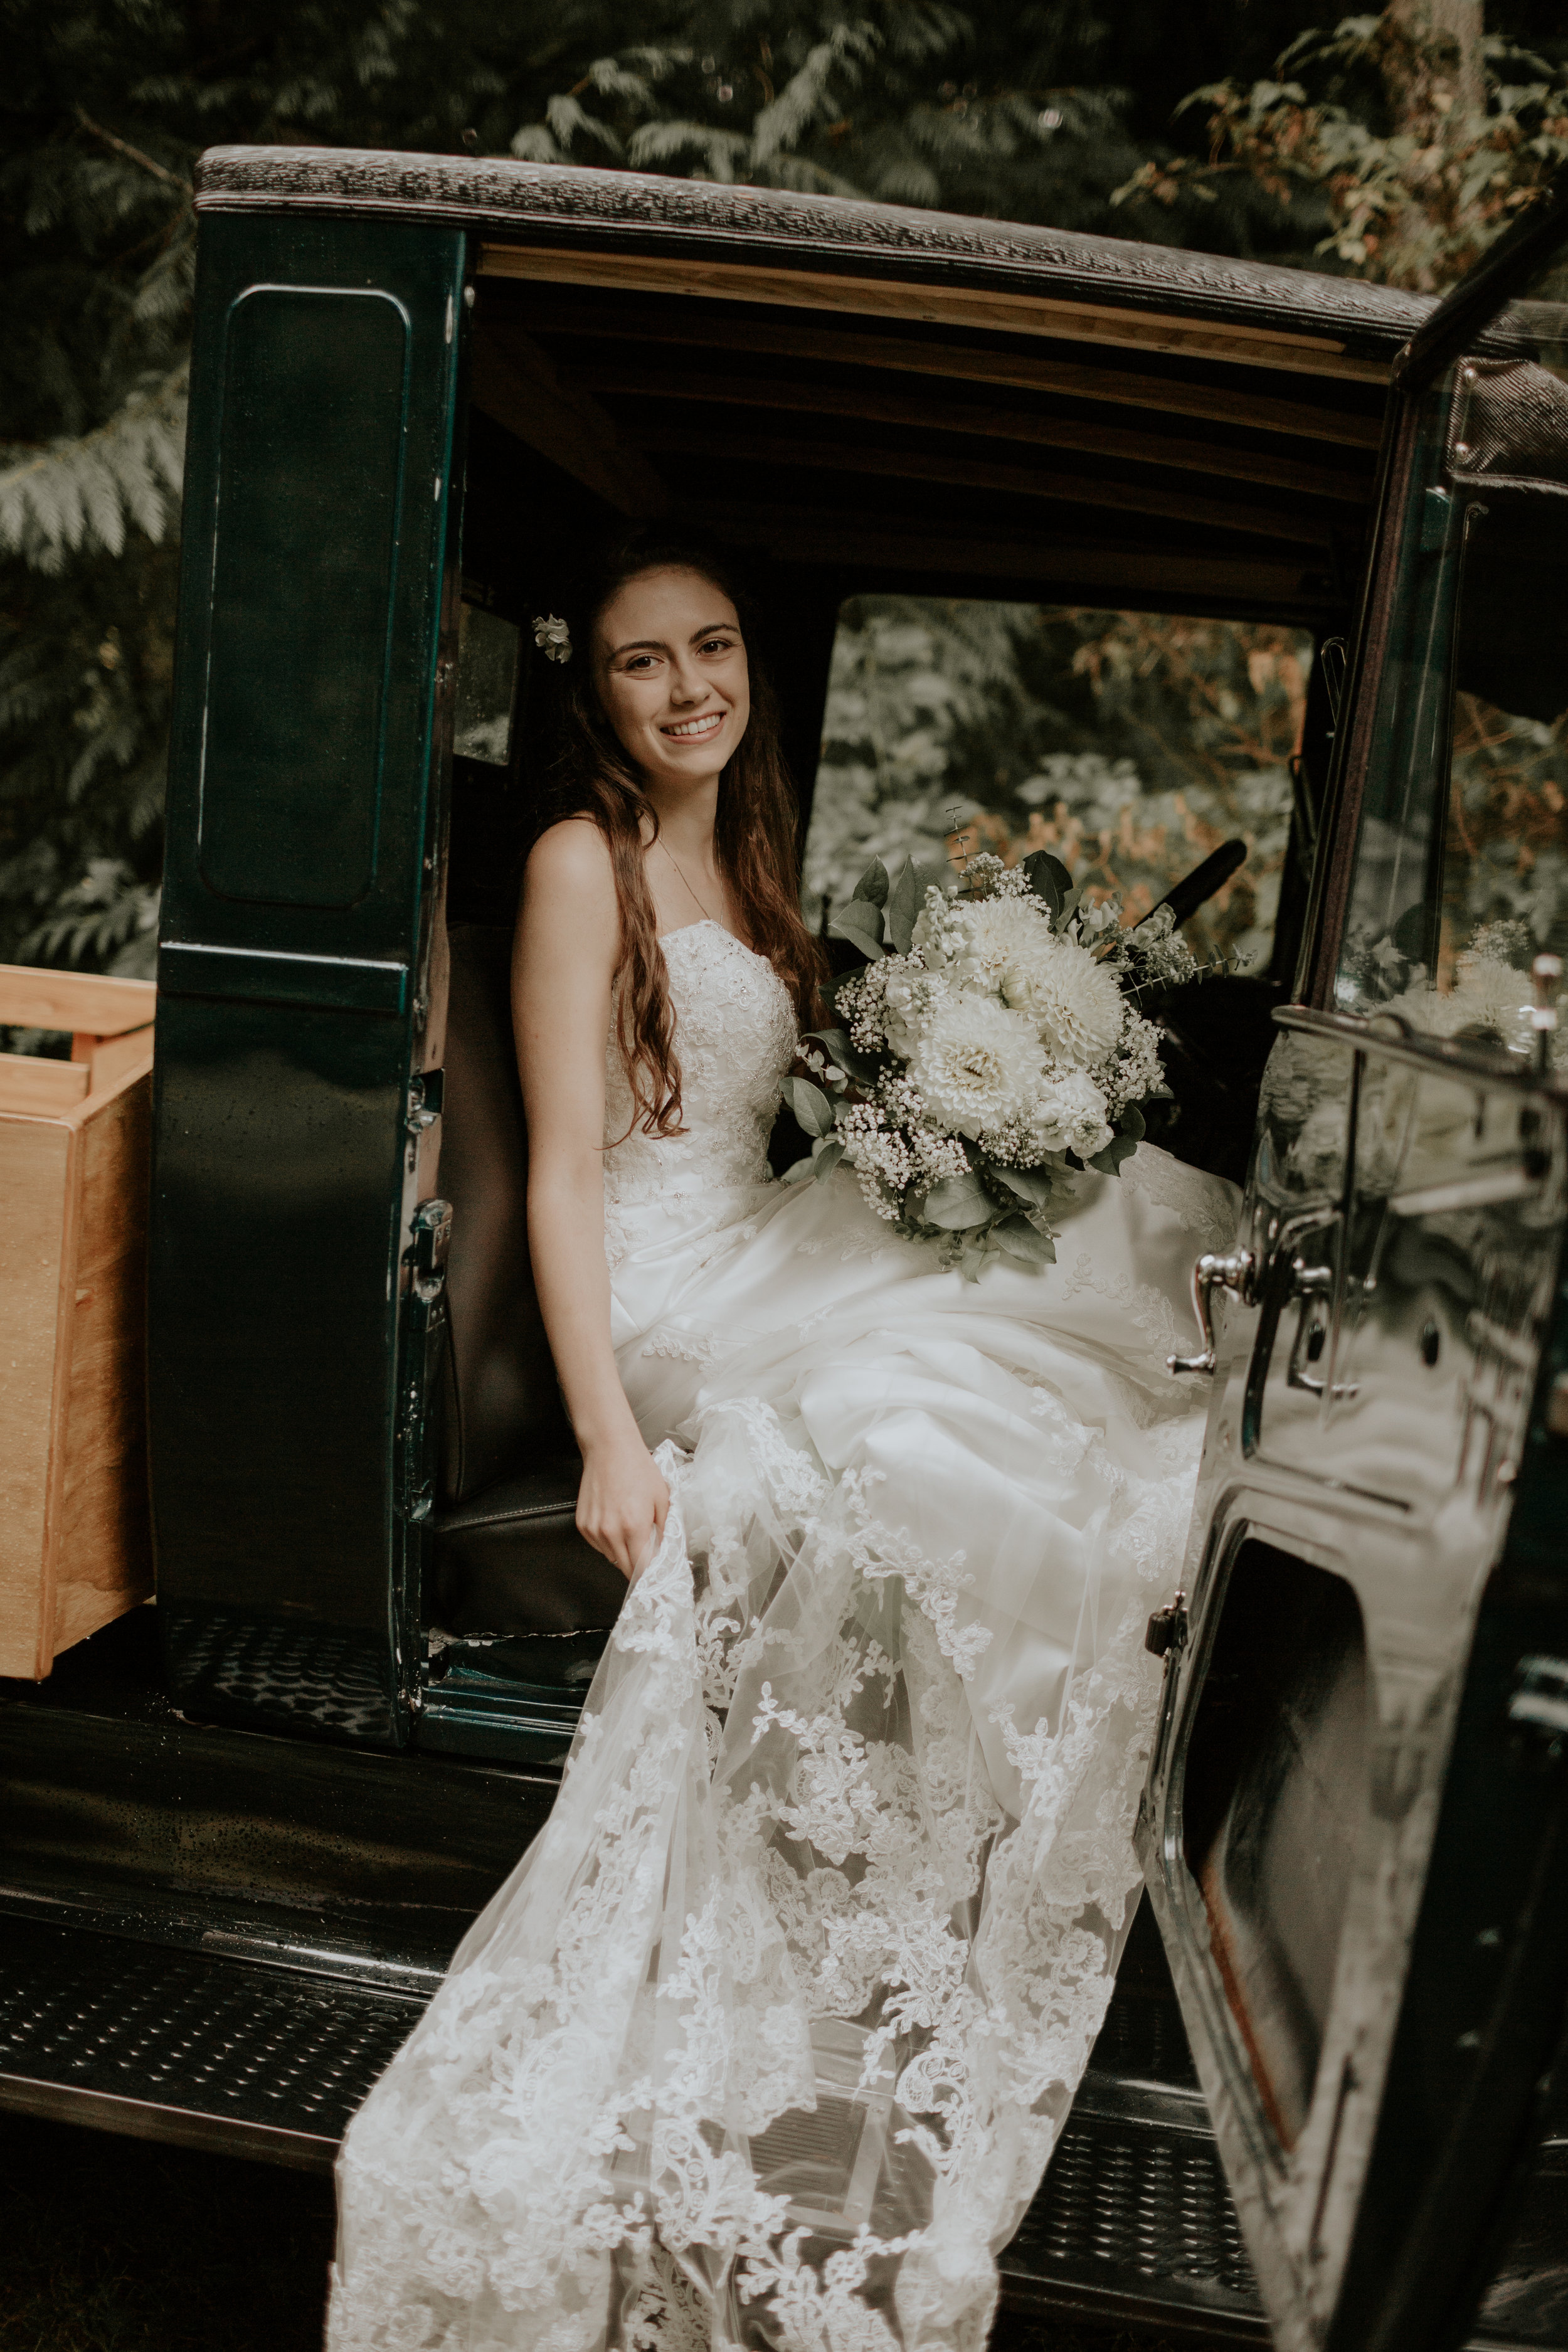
735	1037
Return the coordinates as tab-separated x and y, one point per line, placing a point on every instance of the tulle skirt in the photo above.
768	2038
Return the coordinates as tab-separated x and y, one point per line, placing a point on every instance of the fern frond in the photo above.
78	494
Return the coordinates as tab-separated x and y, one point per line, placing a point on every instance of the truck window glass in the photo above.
1131	744
1461	871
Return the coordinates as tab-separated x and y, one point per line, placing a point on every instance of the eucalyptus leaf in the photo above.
867	1068
873	884
959	1202
972	1258
1022	1240
810	1106
904	906
1132	1123
1049	878
1035	1186
826	1156
798	1171
858	922
1120	1148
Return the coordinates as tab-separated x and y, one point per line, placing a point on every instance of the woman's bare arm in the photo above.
563	966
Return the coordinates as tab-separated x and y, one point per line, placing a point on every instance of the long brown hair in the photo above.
756	829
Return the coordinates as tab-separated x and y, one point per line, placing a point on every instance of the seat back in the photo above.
503	1407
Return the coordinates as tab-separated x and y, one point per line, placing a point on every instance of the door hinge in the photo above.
1167	1629
427	1089
425	1255
424	1327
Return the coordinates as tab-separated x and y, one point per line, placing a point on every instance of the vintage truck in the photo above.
242	1828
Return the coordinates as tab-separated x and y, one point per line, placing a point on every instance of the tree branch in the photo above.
134	155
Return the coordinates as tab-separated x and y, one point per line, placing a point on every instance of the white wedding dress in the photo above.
768	2038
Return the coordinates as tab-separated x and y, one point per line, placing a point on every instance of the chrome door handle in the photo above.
1229	1270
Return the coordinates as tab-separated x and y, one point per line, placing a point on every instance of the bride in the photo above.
769	2037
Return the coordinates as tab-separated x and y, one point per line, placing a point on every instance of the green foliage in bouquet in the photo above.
989	1050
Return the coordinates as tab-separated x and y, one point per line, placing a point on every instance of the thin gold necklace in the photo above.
689	891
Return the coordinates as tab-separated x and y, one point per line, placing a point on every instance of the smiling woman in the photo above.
671	744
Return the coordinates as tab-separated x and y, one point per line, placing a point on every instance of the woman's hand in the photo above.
622	1501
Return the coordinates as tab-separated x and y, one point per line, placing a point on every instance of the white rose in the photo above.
1069	1115
975	1064
1073	1002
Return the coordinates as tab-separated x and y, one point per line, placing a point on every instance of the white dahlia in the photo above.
1074	1002
975	1064
975	940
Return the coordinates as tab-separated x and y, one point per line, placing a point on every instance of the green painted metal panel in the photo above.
291	779
302	823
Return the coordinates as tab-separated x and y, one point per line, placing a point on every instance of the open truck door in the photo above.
1355	1825
295	1256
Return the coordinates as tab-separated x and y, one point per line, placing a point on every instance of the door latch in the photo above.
1229	1270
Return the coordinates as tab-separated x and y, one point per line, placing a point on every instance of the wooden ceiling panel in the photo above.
1354	422
1008	481
1038	313
626	380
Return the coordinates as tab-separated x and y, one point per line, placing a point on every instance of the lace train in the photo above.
768	2039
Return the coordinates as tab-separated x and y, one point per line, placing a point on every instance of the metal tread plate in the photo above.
172	2044
1134	2223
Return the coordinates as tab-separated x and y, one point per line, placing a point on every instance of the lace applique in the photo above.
1204	1206
1147	1308
865	1245
934	1585
685	1346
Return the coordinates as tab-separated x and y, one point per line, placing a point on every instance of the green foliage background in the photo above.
1131	745
1374	147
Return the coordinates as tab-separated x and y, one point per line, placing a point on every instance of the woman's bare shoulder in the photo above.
568	871
572	854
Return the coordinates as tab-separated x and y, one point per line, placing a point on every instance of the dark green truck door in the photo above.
302	840
1355	1828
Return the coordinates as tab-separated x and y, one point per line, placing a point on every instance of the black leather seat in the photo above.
508	1561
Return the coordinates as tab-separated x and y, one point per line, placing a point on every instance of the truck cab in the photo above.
245	1825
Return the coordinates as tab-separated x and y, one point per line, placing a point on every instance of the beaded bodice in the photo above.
735	1037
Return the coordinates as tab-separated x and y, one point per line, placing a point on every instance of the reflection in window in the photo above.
486	686
1130	744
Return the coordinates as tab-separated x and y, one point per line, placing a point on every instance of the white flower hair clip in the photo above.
552	638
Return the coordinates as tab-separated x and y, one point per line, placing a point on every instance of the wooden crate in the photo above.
75	1137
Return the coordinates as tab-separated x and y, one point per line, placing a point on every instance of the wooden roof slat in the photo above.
881	407
516	384
1013	481
1037	311
974	364
865	542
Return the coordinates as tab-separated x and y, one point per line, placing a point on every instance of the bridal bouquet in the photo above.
989	1047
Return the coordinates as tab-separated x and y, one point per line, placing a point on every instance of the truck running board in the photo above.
267	2057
